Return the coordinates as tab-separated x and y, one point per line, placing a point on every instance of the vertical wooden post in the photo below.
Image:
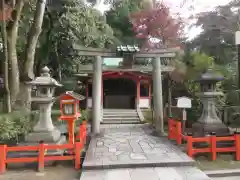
178	132
213	146
169	96
138	92
71	131
87	94
41	152
190	145
237	144
3	158
149	93
102	99
78	148
170	123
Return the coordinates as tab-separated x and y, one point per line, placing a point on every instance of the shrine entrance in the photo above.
119	93
129	54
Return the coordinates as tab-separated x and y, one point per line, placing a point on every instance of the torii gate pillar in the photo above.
97	96
157	96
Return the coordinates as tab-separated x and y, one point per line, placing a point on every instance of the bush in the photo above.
20	123
14	124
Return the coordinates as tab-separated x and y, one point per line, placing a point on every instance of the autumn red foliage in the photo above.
5	13
158	23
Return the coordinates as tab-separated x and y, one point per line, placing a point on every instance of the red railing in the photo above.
82	132
175	133
41	149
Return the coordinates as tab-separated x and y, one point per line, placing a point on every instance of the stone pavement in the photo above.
227	178
157	173
137	153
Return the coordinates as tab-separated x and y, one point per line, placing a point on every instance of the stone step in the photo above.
120	115
121	122
120	118
119	111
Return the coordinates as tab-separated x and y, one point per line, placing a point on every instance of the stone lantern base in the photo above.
202	129
45	136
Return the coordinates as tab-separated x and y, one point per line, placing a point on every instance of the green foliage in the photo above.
14	124
84	116
68	23
118	19
20	123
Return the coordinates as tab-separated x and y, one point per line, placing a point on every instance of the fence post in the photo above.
169	128
213	140
178	132
190	145
41	153
237	145
85	132
78	149
3	158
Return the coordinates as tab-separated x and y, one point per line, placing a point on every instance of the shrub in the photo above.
14	124
20	123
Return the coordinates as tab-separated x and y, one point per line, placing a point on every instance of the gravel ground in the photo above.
59	172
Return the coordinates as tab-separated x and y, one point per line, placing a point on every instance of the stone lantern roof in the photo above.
209	77
45	79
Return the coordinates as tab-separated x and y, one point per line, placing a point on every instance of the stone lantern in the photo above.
209	120
44	130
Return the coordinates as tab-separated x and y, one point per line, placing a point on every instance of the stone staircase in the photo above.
120	116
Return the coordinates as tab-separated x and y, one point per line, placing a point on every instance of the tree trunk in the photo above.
58	61
28	69
32	39
7	98
12	32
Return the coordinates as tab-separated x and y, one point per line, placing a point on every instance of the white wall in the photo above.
144	102
89	102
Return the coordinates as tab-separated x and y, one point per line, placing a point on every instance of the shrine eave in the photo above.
89	69
167	53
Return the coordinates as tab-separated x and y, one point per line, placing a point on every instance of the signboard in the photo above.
184	102
237	38
112	61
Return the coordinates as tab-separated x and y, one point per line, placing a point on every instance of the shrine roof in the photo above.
75	95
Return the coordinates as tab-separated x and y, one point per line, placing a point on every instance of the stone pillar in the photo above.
97	95
45	120
157	96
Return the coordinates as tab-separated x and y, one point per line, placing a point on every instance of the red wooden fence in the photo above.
175	133
42	148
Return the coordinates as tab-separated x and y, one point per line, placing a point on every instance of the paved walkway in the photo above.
227	178
138	154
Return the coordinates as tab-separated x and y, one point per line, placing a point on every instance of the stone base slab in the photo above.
157	173
201	129
46	136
